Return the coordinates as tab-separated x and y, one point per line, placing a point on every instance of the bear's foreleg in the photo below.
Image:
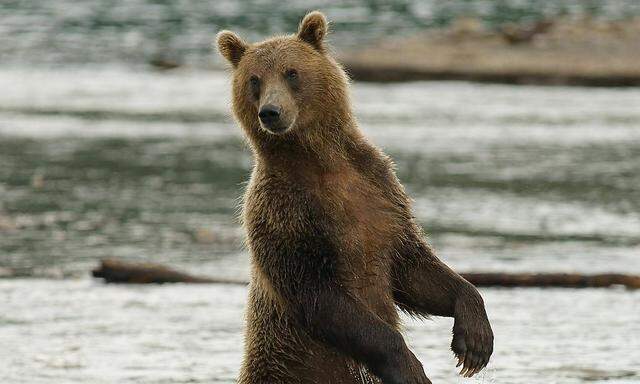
304	274
341	321
424	285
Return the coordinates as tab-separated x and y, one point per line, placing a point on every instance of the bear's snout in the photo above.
269	114
270	117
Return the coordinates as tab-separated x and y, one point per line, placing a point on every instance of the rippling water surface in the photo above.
114	162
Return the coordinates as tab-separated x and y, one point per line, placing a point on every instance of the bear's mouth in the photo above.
275	129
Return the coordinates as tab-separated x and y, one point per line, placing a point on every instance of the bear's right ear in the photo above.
231	46
313	28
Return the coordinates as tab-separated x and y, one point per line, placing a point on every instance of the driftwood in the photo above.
562	280
116	271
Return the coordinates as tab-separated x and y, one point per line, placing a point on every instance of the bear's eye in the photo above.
291	74
254	83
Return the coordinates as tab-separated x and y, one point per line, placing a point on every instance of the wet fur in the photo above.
334	245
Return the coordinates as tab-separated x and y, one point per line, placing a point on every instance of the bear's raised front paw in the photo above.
472	344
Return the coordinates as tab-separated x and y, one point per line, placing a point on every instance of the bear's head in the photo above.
287	87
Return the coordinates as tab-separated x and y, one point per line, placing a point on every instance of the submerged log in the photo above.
117	271
562	280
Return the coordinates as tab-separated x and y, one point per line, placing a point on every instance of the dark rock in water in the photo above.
515	34
164	63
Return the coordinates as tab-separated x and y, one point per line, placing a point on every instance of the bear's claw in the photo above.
472	346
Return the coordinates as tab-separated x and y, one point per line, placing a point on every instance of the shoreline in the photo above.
363	72
582	52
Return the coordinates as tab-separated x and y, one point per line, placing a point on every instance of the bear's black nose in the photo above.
269	114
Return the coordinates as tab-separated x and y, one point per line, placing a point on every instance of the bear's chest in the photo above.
354	212
352	218
277	208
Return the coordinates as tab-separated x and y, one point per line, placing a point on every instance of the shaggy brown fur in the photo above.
333	242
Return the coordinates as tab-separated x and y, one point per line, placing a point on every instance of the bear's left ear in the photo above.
313	29
231	47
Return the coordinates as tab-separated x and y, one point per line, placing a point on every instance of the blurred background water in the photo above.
103	156
139	31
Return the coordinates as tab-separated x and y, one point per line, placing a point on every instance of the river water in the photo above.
139	31
110	161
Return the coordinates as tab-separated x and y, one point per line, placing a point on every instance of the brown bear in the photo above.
334	246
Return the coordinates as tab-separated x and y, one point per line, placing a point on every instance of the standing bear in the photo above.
334	246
